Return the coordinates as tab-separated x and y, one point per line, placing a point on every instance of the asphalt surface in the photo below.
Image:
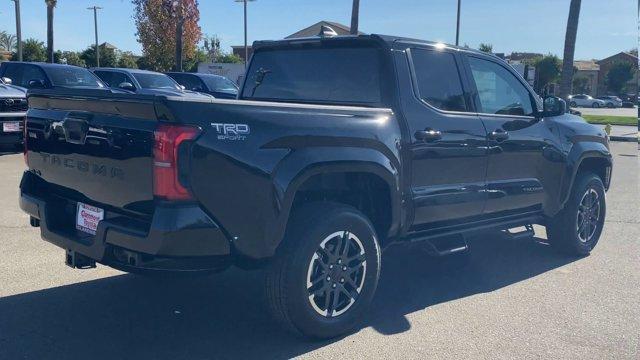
514	299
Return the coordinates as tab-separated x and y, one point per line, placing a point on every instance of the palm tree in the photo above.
569	48
50	5
355	10
7	41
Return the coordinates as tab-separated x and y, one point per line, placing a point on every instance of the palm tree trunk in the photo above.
569	48
50	31
355	11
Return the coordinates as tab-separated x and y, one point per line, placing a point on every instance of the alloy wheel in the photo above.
336	274
588	215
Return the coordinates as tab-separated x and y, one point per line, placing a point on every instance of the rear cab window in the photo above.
73	77
438	79
349	74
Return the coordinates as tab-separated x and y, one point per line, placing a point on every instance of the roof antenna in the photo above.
327	31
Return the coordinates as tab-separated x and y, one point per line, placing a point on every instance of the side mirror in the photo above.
554	106
36	84
182	87
127	86
7	81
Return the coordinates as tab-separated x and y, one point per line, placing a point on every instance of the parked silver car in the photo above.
583	100
611	101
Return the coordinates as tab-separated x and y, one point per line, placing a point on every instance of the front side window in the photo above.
438	79
499	91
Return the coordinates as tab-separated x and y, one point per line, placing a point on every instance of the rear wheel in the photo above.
326	273
595	105
573	104
577	228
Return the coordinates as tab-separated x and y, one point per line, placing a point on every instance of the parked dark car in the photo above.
218	86
143	82
13	108
30	75
337	148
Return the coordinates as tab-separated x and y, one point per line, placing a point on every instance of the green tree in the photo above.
8	41
108	56
69	57
547	71
618	76
581	85
488	48
191	63
32	50
229	58
127	60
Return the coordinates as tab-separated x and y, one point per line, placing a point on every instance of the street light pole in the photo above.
246	47
18	29
95	24
458	25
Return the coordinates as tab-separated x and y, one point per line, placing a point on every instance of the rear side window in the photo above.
438	79
348	75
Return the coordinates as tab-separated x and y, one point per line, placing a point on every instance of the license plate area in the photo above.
11	126
88	217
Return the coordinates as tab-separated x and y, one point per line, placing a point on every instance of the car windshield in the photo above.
155	81
221	84
73	77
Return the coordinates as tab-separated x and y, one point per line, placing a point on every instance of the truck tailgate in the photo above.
99	152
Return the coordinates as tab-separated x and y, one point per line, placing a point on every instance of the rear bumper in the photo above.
177	238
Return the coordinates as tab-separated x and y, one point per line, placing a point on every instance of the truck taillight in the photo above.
166	182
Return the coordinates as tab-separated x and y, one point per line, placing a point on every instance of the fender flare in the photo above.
301	165
579	153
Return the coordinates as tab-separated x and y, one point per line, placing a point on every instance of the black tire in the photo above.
610	105
595	105
565	231
286	279
573	104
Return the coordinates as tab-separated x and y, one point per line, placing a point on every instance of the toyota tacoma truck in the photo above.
336	148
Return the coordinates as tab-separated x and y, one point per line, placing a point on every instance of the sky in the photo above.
606	27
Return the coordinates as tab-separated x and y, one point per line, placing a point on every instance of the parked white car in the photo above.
611	101
585	101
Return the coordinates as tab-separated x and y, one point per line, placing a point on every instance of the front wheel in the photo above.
577	228
326	272
573	104
595	105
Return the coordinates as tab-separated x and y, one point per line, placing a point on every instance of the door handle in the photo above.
428	135
499	135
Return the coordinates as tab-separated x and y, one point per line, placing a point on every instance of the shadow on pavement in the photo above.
224	316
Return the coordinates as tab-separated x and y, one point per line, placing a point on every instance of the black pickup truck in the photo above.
336	148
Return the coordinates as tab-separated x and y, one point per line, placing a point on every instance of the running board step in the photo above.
527	233
446	245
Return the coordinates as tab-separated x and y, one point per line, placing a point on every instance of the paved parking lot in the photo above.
514	299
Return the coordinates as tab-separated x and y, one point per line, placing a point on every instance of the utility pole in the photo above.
246	47
458	25
18	29
95	25
355	15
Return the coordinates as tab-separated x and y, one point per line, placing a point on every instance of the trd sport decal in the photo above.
231	131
